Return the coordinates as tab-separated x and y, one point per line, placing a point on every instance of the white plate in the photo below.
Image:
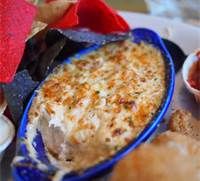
185	35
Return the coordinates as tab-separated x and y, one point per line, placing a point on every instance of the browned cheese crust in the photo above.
183	122
90	109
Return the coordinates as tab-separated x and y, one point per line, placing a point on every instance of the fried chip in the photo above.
45	50
37	26
48	58
17	92
82	35
53	35
94	15
15	23
52	11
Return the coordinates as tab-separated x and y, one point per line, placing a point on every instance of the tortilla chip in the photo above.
37	26
15	24
53	35
48	58
17	92
94	15
86	36
52	11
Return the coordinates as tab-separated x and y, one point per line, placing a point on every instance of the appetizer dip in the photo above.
89	109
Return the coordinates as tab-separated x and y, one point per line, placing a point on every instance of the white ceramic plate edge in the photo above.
185	35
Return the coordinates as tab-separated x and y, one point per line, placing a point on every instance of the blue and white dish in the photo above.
27	168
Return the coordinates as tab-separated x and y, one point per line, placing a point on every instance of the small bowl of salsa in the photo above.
191	74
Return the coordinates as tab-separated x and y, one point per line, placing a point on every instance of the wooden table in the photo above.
129	5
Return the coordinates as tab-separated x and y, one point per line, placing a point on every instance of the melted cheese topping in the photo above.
88	110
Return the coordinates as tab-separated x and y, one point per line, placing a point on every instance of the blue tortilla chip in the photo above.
86	36
47	59
17	92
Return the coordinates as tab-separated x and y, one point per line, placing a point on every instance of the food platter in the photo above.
178	33
140	35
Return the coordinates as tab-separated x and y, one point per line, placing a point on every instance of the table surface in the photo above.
129	5
181	10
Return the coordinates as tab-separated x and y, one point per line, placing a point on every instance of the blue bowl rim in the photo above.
149	129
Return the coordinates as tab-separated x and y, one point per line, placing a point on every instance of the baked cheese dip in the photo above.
88	110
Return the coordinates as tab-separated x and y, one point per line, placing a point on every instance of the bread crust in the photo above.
171	156
183	122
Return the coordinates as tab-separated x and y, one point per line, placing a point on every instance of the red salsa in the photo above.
194	73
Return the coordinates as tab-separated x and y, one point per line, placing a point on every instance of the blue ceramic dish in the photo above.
26	167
